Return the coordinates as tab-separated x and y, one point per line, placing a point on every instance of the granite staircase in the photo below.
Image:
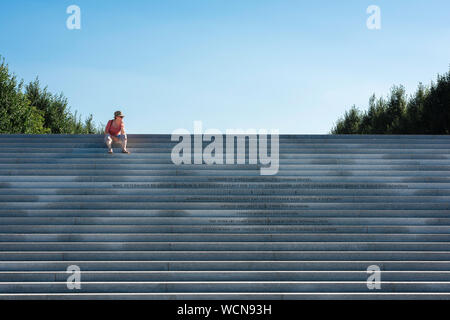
139	227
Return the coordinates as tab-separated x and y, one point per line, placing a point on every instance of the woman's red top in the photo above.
113	130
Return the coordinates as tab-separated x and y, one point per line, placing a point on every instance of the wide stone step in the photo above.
320	139
286	136
444	150
229	167
213	171
300	213
255	205
225	246
258	185
320	229
214	237
139	142
16	201
140	276
236	190
167	156
160	146
284	160
361	199
226	286
195	265
231	296
125	181
222	255
196	221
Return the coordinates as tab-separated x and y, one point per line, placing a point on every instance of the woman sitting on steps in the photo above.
113	128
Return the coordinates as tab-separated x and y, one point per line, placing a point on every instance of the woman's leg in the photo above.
108	141
123	141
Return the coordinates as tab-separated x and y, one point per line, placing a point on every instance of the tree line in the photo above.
427	111
32	109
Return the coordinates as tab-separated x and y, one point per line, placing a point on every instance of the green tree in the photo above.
57	114
54	108
350	123
395	110
33	109
414	117
436	107
425	112
16	113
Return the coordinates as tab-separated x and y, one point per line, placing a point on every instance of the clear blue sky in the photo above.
287	64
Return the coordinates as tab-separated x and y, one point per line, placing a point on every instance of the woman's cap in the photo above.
118	114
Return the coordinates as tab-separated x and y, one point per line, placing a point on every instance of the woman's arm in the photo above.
122	129
108	125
